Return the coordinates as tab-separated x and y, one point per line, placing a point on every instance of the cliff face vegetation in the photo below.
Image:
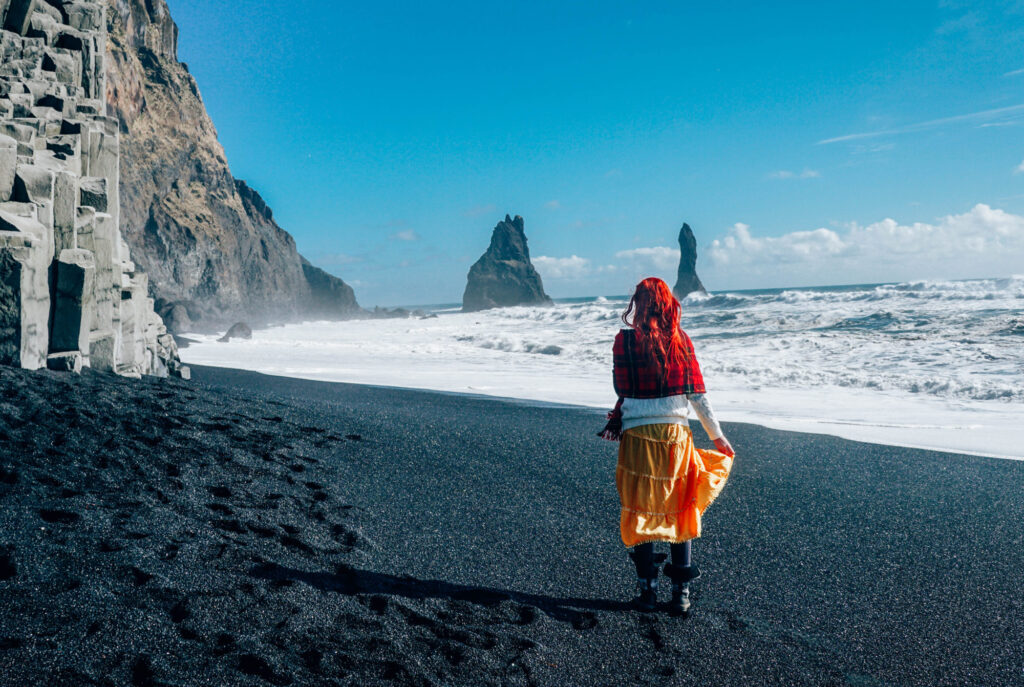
208	242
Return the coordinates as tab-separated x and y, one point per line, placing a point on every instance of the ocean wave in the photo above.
875	321
1014	328
512	346
720	300
977	289
953	340
797	376
559	313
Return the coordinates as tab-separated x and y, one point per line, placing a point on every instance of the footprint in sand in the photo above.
225	643
8	569
378	603
526	615
229	526
296	543
59	517
139	577
143	674
261	531
180	612
584	621
312	659
257	666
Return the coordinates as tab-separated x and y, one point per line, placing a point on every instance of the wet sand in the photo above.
244	529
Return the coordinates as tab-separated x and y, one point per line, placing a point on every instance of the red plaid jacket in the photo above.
635	377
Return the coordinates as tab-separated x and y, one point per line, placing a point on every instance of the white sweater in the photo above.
670	410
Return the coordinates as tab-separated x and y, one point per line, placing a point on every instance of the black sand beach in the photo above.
246	530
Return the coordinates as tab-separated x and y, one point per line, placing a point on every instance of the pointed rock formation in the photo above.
503	275
687	281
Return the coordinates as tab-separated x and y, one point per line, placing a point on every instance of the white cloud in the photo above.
406	235
1020	168
982	242
553	205
652	259
786	174
740	247
573	267
1015	72
998	114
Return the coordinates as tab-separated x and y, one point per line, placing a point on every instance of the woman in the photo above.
664	482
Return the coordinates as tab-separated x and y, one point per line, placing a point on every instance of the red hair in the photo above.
653	312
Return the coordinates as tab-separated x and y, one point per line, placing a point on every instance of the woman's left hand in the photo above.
723	445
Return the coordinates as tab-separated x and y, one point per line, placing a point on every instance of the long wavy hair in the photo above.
653	312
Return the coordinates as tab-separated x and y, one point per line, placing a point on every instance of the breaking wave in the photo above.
949	339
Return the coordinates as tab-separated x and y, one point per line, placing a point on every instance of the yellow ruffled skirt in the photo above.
665	483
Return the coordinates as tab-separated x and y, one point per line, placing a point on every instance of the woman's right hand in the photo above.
723	445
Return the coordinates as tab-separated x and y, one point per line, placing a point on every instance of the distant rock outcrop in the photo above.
208	241
330	298
503	275
687	281
239	330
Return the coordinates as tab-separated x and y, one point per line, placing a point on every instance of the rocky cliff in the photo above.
687	281
504	275
209	242
70	293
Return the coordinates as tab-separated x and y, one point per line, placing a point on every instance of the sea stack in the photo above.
687	281
71	295
504	275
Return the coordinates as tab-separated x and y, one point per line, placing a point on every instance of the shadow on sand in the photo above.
350	581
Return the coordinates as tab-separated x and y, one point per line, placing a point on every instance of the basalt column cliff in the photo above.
211	247
70	294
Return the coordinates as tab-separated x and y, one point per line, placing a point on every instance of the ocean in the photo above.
928	364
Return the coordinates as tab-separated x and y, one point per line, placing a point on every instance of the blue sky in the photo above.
389	138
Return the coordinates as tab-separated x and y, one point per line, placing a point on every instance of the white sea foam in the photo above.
930	364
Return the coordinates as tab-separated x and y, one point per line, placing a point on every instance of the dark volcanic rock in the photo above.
330	297
503	275
239	330
687	282
390	313
177	319
204	238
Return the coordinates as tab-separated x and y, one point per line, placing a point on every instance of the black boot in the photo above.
648	565
647	598
681	578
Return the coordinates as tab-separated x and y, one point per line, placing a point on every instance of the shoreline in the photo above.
939	358
246	529
803	425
